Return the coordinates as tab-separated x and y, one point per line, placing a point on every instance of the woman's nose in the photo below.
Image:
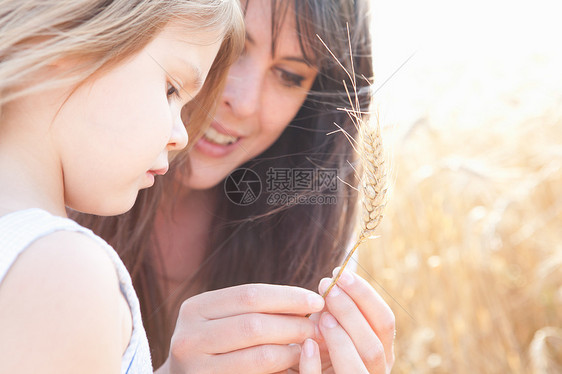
178	139
243	89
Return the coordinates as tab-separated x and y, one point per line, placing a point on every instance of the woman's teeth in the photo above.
216	137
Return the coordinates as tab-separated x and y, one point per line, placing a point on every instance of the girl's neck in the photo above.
181	231
29	178
31	171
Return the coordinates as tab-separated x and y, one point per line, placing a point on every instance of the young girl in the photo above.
279	104
90	100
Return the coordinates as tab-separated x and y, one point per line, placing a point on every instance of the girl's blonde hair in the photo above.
98	34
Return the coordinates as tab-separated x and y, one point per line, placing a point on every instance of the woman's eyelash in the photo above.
290	79
172	90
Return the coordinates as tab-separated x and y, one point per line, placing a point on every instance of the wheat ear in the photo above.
373	185
373	182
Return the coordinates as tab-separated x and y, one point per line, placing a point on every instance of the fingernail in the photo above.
323	286
346	278
315	301
308	348
336	271
329	321
335	291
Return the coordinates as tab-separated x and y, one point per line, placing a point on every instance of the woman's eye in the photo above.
290	79
172	90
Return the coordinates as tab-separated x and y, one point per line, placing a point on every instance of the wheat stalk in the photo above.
373	185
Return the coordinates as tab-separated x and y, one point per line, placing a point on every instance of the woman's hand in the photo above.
357	328
310	362
253	328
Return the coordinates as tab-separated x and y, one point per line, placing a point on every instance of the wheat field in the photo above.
470	249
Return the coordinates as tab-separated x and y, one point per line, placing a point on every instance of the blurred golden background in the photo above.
470	249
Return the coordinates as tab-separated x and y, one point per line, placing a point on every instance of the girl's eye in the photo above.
290	79
172	91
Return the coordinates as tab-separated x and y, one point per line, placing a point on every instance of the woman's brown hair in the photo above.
292	244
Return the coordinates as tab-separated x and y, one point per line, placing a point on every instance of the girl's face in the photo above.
115	131
263	94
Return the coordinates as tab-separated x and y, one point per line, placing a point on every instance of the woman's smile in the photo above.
217	141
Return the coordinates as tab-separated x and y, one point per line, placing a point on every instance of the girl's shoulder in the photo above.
63	265
52	245
60	299
67	255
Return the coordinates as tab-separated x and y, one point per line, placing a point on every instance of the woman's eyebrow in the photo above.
251	40
297	59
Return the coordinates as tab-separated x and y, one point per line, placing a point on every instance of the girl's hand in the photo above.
253	328
357	328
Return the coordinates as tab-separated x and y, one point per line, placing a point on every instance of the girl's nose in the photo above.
178	139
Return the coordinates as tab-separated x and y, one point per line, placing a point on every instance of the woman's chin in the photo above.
200	181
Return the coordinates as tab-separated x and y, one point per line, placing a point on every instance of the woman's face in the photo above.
263	93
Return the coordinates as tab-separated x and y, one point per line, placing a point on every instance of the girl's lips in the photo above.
153	172
160	171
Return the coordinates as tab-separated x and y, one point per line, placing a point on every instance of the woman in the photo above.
280	101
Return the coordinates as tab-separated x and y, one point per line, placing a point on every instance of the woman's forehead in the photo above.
276	27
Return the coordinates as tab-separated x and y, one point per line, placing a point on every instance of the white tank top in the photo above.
21	228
